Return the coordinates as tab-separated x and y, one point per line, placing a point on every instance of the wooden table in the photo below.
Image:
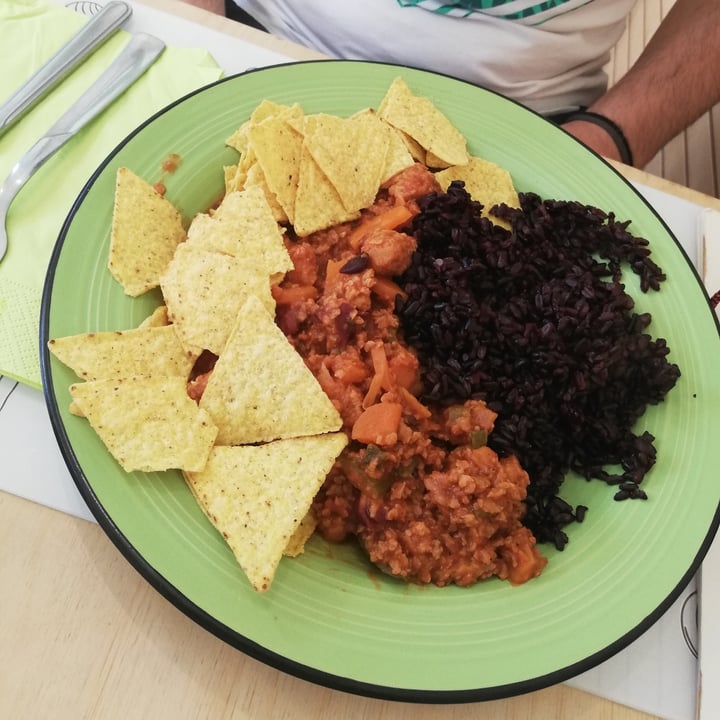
83	635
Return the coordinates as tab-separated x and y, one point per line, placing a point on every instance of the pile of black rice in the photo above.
536	322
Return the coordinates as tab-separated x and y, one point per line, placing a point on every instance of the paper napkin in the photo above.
30	32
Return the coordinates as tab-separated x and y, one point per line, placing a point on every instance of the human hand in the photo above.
594	136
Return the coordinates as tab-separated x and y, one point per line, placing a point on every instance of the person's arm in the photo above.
214	6
673	82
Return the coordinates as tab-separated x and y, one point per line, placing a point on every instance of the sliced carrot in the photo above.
381	379
404	369
387	290
351	374
528	564
289	295
391	219
332	271
325	379
373	393
349	370
380	365
378	424
413	404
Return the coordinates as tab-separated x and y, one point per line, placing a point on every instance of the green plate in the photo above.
329	616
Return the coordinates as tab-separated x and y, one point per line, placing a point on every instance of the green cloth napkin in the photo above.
30	32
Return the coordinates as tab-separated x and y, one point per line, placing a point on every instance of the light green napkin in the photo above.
30	32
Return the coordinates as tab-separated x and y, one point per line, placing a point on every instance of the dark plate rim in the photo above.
236	639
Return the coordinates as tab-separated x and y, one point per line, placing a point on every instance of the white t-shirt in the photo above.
547	54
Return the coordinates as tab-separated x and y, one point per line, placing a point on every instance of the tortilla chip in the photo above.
74	409
199	226
417	152
256	178
270	108
486	182
239	140
303	532
435	163
146	229
278	146
398	157
317	205
147	423
266	108
261	389
204	291
233	179
236	175
243	225
247	161
256	496
157	318
419	118
351	153
119	354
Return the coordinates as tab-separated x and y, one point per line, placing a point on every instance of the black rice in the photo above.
536	322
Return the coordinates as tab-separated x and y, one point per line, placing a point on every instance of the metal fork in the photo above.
136	57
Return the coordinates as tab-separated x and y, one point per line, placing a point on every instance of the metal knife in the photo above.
92	34
135	58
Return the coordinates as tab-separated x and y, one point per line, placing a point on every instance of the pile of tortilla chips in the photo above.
258	445
301	163
252	460
319	170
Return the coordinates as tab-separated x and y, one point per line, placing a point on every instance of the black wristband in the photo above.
610	127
